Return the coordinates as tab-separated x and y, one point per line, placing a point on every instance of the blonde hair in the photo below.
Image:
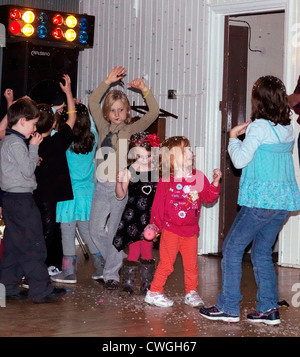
167	157
111	98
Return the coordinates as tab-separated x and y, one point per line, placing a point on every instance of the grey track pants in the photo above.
106	213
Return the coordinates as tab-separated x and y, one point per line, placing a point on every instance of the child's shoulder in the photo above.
13	138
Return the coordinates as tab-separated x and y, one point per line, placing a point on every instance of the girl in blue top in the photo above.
268	192
76	213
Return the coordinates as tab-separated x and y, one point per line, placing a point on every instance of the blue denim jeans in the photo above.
259	226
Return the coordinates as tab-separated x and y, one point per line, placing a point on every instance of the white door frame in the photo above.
214	17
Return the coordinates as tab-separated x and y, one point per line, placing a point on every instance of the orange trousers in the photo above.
169	246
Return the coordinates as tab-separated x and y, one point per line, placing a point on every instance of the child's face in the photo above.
28	127
143	157
182	162
118	112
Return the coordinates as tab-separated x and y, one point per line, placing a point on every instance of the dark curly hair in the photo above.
140	139
270	101
84	139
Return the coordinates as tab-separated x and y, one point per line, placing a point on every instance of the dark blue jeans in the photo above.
259	226
25	250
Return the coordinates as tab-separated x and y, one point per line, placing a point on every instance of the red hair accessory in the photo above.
154	140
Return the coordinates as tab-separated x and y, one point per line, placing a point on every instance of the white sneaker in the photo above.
193	299
158	299
52	270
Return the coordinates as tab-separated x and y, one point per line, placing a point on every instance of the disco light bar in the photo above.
24	23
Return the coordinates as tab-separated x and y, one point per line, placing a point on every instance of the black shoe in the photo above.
112	285
270	317
55	294
21	296
213	313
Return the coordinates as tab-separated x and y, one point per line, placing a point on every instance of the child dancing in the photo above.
175	213
114	129
268	192
139	181
76	212
52	175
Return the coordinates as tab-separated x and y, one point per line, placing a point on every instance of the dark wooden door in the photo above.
233	107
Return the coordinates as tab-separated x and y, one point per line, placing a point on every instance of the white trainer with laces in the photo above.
193	299
52	270
158	299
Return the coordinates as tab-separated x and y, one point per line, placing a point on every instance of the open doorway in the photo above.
253	47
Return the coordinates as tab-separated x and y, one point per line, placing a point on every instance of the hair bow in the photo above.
154	140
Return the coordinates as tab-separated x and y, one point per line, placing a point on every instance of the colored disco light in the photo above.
63	29
15	14
71	21
83	37
84	23
43	17
70	35
28	30
57	20
57	33
15	27
42	31
28	17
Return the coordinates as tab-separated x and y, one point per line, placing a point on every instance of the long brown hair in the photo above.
270	101
84	139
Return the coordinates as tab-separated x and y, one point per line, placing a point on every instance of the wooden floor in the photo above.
89	310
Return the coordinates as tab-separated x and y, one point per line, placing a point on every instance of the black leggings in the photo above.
52	233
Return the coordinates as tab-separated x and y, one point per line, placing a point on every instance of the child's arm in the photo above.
70	101
147	119
158	206
217	175
157	212
122	182
9	95
116	74
211	191
27	158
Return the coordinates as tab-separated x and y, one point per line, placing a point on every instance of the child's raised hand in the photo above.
36	139
217	175
67	87
239	129
138	83
116	74
9	95
59	108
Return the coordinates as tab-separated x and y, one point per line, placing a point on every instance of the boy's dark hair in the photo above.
46	120
22	108
270	101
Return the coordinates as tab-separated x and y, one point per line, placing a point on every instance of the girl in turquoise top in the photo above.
76	212
268	193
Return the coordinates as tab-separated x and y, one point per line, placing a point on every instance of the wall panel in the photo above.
157	40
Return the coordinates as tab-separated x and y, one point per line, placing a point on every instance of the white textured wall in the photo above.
159	40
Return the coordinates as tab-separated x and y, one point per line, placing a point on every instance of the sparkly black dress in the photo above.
137	212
